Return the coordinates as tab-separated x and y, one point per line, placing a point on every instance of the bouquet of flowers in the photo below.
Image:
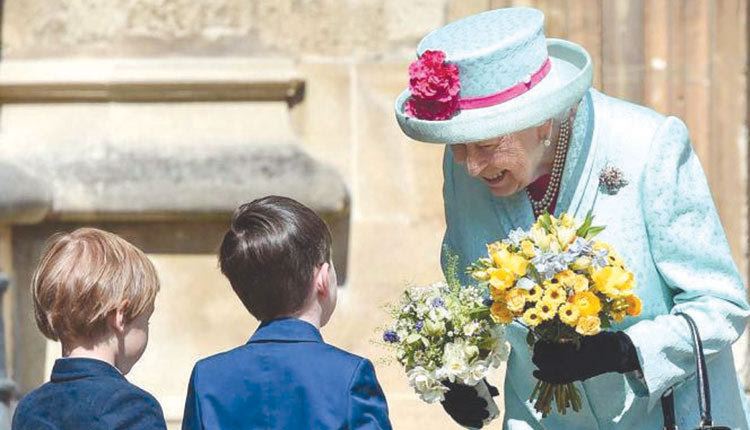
444	332
561	284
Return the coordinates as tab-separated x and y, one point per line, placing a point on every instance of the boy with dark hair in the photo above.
277	257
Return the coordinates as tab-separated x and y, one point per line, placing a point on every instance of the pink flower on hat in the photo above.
434	87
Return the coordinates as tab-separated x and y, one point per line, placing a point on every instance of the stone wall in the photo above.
353	56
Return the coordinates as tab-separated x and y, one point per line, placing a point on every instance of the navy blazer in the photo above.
84	393
285	377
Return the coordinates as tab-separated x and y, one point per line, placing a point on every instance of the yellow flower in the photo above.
500	313
495	246
540	237
546	309
516	299
515	263
554	245
535	293
497	294
566	235
587	303
589	326
527	249
569	314
618	316
613	281
531	317
567	220
613	258
634	305
555	294
566	278
501	279
581	263
580	283
480	275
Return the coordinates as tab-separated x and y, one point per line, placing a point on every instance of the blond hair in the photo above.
82	277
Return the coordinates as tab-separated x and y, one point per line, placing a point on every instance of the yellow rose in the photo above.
618	316
587	303
580	283
555	294
634	305
495	246
497	294
527	249
501	279
546	309
531	317
581	263
515	263
613	281
500	313
589	326
516	299
569	314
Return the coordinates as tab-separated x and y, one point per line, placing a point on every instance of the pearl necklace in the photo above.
539	206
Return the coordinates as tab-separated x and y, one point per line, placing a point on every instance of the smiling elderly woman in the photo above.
525	133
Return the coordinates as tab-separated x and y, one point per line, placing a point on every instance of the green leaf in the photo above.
451	268
583	229
593	231
534	274
547	222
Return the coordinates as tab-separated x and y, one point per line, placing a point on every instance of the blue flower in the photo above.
418	326
581	246
437	302
600	258
488	301
515	237
548	264
390	336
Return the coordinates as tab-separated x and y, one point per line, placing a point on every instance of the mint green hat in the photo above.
488	75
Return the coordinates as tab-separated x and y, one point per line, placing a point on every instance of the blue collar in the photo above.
286	330
68	369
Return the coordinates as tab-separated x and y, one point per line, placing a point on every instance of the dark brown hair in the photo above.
270	254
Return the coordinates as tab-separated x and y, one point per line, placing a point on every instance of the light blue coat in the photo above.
665	226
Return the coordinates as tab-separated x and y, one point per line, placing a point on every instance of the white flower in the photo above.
477	372
454	362
426	385
471	329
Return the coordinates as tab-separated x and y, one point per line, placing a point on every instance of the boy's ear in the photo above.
116	319
322	279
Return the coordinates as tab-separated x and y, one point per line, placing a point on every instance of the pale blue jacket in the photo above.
665	226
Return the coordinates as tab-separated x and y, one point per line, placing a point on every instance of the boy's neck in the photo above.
102	351
310	318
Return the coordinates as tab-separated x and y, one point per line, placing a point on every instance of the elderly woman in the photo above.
525	133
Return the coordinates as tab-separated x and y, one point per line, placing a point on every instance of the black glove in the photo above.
463	404
602	353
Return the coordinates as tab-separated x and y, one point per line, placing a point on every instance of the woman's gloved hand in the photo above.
602	353
463	404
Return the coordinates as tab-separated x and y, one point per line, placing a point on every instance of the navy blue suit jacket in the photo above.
84	393
285	377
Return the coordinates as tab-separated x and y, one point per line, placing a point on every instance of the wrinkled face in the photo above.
134	341
506	164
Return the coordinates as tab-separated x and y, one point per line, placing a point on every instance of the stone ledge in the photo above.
166	183
146	80
24	199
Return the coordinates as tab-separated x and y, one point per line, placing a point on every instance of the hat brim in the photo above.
569	78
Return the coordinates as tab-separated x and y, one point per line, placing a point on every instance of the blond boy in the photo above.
94	292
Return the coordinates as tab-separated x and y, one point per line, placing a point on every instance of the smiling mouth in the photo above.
494	180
